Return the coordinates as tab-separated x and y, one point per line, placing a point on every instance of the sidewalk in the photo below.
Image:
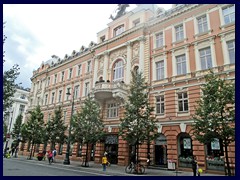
116	170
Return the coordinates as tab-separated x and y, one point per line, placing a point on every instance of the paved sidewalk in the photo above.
116	170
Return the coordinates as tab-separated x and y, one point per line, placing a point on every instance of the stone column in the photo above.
95	71
105	65
141	54
128	65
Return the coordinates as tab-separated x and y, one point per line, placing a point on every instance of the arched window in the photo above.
118	71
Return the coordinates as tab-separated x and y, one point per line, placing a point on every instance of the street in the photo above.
14	167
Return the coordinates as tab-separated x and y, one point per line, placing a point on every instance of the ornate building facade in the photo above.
174	49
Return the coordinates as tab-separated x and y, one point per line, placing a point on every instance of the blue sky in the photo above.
35	32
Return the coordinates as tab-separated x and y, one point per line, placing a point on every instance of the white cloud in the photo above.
37	31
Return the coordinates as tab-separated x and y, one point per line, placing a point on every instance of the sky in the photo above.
35	32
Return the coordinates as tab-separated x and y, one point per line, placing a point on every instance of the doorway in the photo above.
161	151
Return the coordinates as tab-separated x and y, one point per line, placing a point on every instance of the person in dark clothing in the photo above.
133	158
13	150
148	159
194	166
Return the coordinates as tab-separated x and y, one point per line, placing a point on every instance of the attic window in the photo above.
119	30
102	39
136	22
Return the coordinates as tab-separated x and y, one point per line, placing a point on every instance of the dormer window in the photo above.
119	30
102	39
136	22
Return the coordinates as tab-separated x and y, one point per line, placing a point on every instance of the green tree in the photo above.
138	124
55	128
17	130
9	85
87	124
34	128
215	114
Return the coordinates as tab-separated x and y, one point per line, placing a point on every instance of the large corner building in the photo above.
174	49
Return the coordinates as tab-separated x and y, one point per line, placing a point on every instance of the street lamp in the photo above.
8	133
67	160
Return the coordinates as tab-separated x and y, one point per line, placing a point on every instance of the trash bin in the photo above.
171	165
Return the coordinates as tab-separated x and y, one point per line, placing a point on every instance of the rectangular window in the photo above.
182	102
160	105
160	70
88	66
79	69
60	96
48	81
231	51
202	24
70	73
62	76
55	79
179	32
86	89
21	109
205	58
159	40
76	91
46	99
53	94
112	110
67	95
229	14
181	64
102	39
49	116
64	116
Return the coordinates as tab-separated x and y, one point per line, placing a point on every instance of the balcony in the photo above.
109	90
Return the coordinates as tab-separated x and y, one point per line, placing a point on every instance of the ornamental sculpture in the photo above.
121	11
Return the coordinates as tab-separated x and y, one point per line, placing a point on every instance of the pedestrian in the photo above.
50	156
104	162
16	152
44	154
54	152
13	150
133	158
194	166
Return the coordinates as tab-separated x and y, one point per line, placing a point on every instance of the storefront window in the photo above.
185	151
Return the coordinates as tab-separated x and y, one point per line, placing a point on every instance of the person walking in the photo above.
12	151
194	166
54	152
16	152
104	162
50	156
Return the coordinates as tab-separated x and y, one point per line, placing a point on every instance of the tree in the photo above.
55	128
138	124
17	130
9	85
87	124
215	114
34	128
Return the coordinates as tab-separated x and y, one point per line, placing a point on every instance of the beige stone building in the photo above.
174	49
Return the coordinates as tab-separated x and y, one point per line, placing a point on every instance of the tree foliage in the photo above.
215	114
55	128
34	128
138	124
87	124
17	129
9	85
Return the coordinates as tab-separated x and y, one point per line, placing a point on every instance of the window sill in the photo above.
227	25
202	33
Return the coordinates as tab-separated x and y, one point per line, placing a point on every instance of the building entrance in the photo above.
161	151
111	147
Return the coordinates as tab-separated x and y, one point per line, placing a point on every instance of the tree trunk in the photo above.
227	160
31	151
86	159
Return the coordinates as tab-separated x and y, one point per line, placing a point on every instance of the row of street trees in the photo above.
214	118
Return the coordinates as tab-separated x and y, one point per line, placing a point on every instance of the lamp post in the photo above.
67	160
8	133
